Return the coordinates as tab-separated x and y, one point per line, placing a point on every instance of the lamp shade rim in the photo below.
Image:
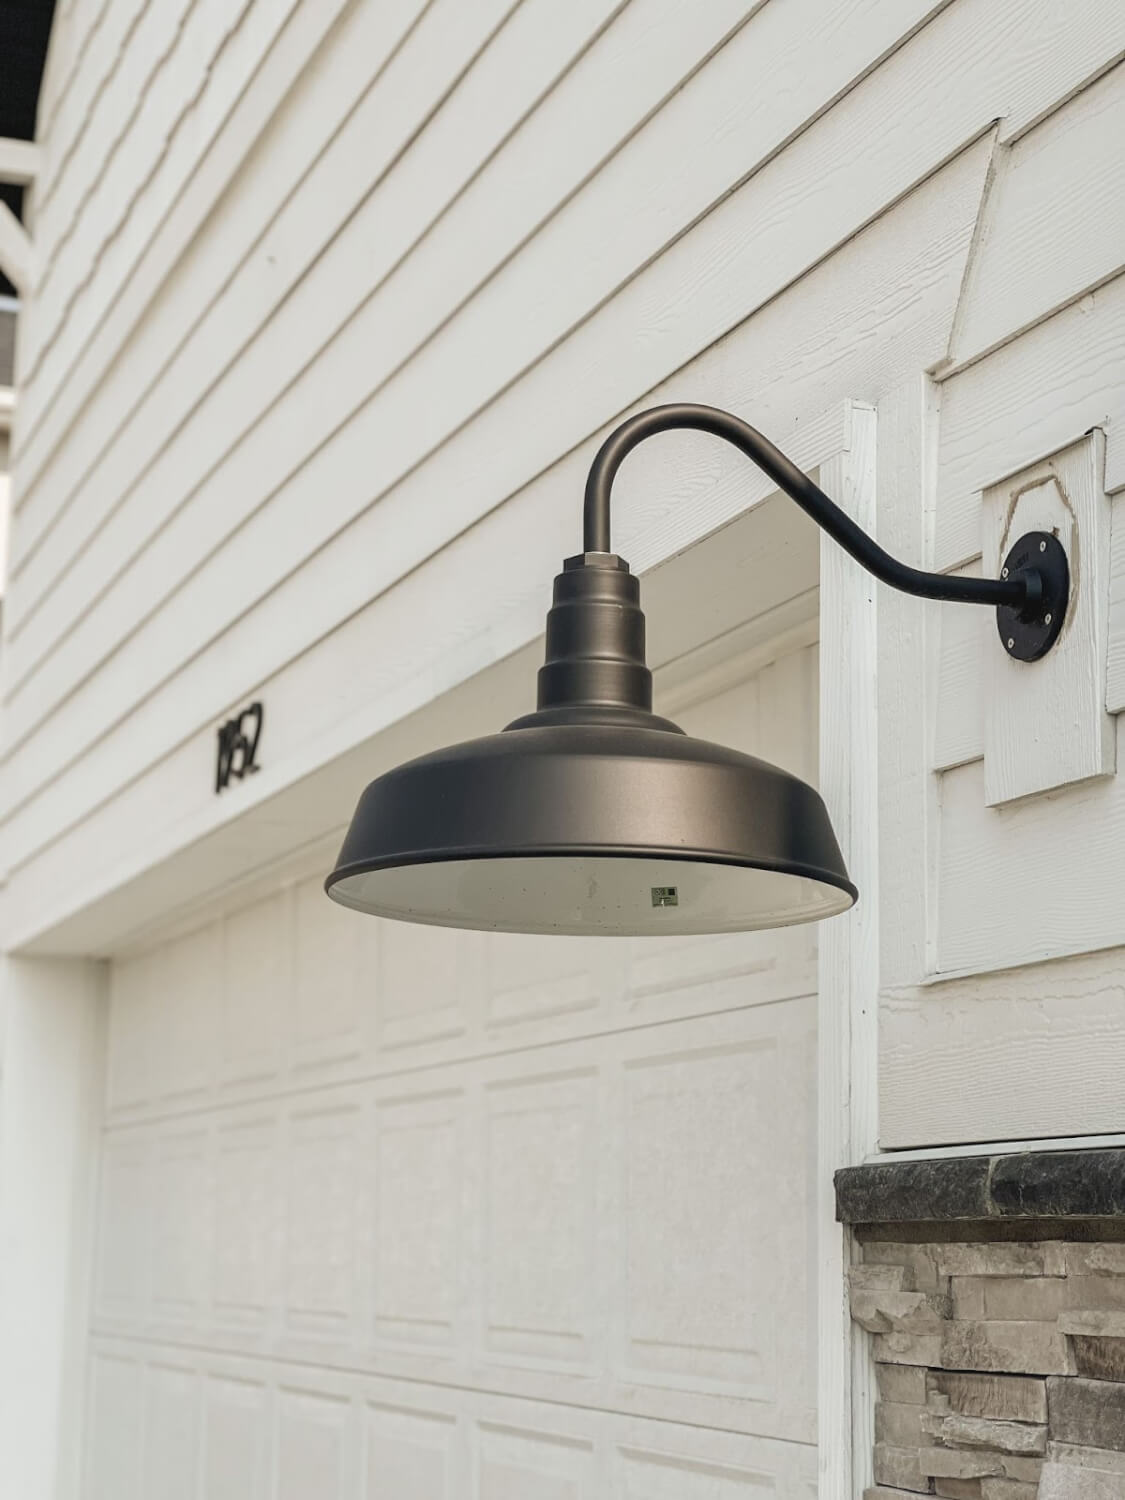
795	868
462	837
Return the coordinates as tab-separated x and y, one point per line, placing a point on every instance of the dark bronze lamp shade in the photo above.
592	828
592	815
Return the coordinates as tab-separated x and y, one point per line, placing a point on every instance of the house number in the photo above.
238	746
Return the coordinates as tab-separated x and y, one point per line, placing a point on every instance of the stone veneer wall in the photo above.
1001	1368
994	1291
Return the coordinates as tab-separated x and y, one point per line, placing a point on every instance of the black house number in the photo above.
238	746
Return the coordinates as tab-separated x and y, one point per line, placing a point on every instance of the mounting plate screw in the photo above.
1042	546
1047	618
1011	642
1003	572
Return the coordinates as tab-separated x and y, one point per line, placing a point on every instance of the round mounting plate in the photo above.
1029	633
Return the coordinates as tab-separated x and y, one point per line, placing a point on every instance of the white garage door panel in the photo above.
574	1172
292	1434
620	1220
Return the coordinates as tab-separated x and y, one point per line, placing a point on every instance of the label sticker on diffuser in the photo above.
665	895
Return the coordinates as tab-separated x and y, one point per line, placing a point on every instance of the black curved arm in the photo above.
1019	593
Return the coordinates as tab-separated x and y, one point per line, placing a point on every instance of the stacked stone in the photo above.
1001	1369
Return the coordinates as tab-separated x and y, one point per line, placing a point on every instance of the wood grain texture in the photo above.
1031	1053
1009	892
1029	399
1025	750
1053	226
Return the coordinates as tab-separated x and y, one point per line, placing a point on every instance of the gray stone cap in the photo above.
1043	1185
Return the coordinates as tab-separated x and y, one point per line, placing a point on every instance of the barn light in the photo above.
593	815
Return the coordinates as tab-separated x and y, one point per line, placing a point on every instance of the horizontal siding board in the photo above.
215	54
748	254
651	45
237	57
1034	1052
1052	908
1054	223
72	26
878	310
141	72
1072	55
235	295
533	274
1075	47
96	36
519	325
143	318
160	457
1029	399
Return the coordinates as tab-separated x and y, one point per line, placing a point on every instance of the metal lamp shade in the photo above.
610	828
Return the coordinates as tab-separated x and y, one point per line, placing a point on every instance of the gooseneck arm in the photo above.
1017	592
1030	597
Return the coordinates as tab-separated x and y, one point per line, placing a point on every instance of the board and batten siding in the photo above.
332	302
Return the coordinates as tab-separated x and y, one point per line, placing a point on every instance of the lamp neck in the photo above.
595	670
596	637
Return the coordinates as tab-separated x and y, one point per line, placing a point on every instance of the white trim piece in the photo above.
15	251
50	1111
19	160
998	1148
849	958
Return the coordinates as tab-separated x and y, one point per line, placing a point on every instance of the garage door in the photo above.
394	1212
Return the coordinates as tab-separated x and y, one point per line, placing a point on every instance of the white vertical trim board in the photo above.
848	955
52	1016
